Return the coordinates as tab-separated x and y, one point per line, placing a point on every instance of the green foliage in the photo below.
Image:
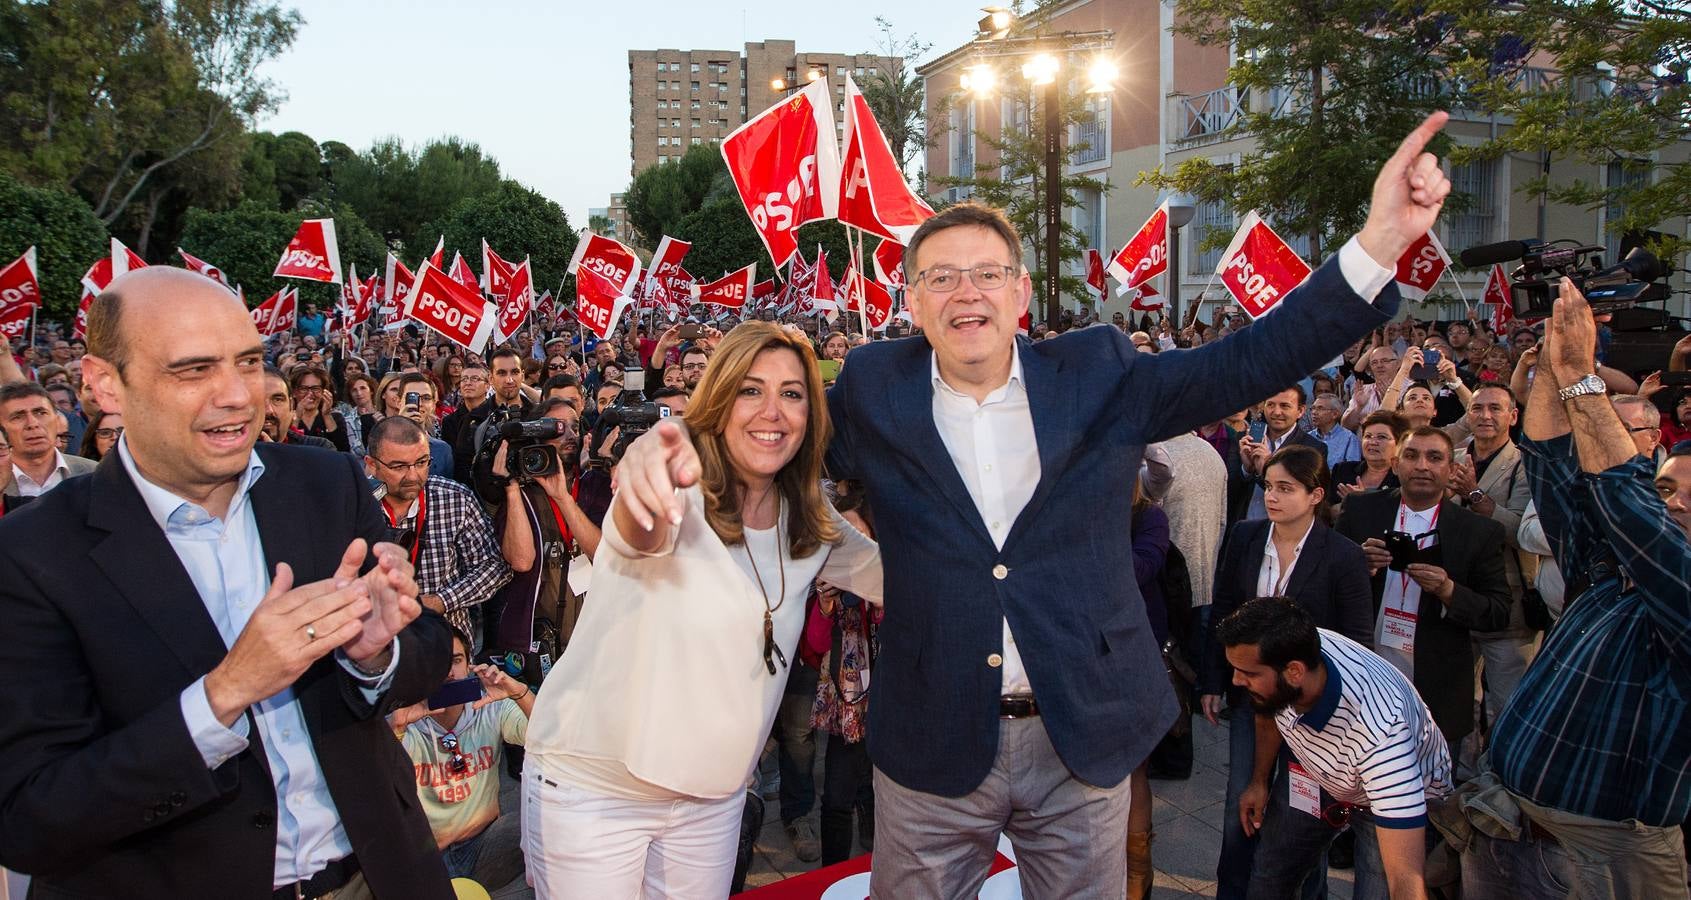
110	98
67	237
291	163
245	242
1332	86
1618	93
662	195
515	221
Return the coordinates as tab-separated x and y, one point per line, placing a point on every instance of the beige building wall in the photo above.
1171	103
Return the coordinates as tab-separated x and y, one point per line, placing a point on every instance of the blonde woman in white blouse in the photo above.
648	729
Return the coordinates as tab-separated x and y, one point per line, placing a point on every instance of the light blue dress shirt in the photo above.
1342	445
225	560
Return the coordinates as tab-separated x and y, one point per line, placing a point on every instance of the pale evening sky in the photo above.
542	87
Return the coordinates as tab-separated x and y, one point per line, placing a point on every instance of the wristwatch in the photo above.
1590	384
1475	496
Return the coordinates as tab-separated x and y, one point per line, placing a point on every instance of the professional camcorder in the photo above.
529	454
1639	278
632	412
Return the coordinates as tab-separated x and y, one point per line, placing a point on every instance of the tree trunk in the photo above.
1316	99
154	197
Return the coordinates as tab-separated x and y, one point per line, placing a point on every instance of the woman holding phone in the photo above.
650	726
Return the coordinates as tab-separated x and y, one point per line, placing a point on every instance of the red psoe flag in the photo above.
438	257
609	259
1095	274
1146	299
355	304
1420	267
124	260
889	263
14	322
1259	269
20	284
730	290
598	302
1145	256
496	273
286	315
101	274
822	285
1497	294
451	309
196	264
397	283
873	193
312	255
666	261
786	167
518	299
463	274
264	312
870	298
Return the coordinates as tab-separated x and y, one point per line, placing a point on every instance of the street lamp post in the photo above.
1041	69
1180	212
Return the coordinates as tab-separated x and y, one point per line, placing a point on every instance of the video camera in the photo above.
529	454
632	412
1639	278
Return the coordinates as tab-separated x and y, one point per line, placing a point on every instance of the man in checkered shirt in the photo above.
451	540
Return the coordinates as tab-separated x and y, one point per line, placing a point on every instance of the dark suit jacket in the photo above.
1471	548
1060	579
1241	485
104	793
1330	582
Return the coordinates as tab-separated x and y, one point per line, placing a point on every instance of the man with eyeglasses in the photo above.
438	521
1363	750
457	752
1019	683
1644	423
474	391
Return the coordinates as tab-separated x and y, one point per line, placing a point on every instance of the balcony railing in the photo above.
1094	133
1208	115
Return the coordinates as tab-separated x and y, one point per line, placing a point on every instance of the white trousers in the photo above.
581	844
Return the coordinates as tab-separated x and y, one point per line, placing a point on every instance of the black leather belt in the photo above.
332	878
1017	706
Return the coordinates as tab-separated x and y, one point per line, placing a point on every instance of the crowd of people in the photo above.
1435	580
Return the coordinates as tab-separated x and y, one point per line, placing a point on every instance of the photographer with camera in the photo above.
1589	759
1437	572
542	531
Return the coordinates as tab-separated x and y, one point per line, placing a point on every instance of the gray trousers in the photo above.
1070	838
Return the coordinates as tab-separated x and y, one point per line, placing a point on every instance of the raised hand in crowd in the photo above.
1252	454
394	603
1651	385
497	686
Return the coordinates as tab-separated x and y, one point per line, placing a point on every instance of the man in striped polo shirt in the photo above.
1363	749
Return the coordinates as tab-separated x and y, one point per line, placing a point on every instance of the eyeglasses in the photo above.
945	279
693	367
556	367
421	465
1653	429
108	434
1337	815
458	762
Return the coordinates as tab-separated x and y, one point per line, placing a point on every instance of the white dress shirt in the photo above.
1271	581
224	559
993	445
1401	591
27	486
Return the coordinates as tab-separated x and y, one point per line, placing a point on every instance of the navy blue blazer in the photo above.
1064	579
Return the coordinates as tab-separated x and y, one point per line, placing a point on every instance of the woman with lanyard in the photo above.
1292	554
650	727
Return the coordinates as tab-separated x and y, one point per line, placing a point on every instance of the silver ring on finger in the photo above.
311	632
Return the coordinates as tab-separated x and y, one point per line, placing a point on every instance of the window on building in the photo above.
858	71
695	87
1094	130
695	104
660	86
696	141
694	68
872	71
1088	217
963	140
1623	174
1477	224
1207	218
675	86
675	123
695	124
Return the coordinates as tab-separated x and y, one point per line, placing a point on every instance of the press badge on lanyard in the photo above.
1303	793
1398	631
